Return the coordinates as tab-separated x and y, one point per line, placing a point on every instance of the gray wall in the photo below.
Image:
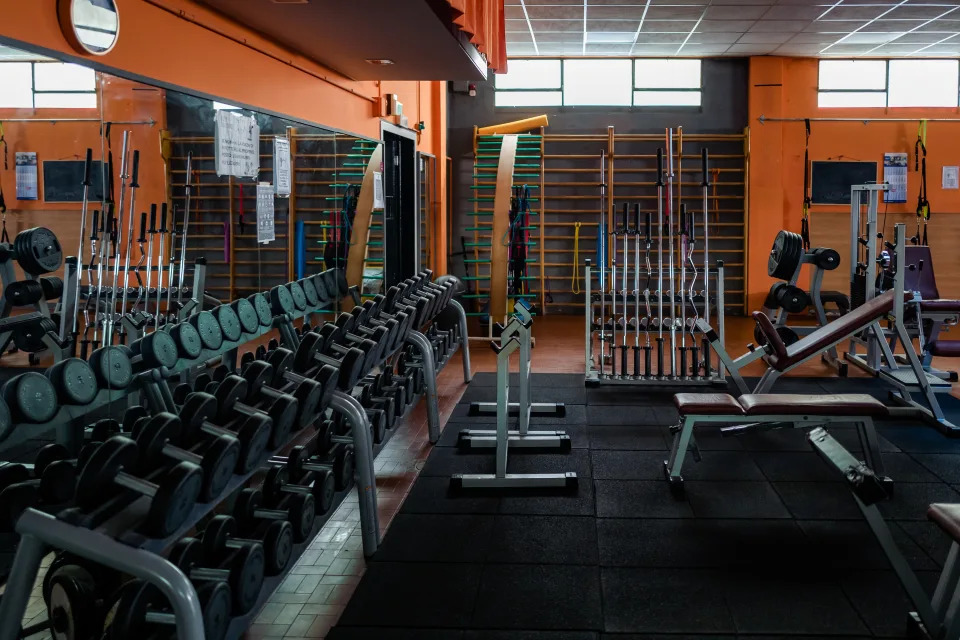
723	110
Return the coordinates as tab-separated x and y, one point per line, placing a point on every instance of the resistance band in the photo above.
923	205
341	222
805	220
241	209
575	284
515	239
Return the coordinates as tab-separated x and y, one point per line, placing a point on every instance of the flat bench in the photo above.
752	412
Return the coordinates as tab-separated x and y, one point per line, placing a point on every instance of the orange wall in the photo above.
787	88
184	44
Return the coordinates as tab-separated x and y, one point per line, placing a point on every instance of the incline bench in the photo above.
752	412
781	357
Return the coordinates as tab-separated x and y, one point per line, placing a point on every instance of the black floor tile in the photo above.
919	438
381	633
850	544
628	438
929	537
551	502
734	499
639	499
946	466
446	461
721	465
648	636
881	601
433	495
788	603
710	439
528	596
698	543
549	394
579	438
786	439
664	601
529	635
617	395
573	414
818	500
489	379
628	416
436	538
796	466
903	468
401	594
543	540
910	500
627	465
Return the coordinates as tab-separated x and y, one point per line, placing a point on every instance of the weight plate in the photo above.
23	293
310	291
785	256
341	280
298	295
187	339
209	329
30	337
827	259
787	335
31	397
262	307
281	300
6	422
52	287
38	250
229	322
793	299
74	381
247	315
112	367
323	296
158	350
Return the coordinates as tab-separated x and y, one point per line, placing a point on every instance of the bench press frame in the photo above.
684	438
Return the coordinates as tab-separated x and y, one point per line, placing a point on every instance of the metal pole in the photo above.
83	230
464	342
659	262
187	189
152	232
421	342
366	478
670	274
602	258
161	260
112	305
133	199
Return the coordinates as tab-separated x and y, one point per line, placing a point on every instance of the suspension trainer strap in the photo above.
6	165
923	205
805	219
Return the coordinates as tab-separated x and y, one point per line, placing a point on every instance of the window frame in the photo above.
34	91
886	86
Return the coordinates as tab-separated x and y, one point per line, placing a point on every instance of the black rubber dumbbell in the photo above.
246	315
247	562
52	483
230	394
295	469
217	458
332	452
376	414
220	372
211	335
156	350
308	393
74	381
397	321
112	367
310	291
142	608
278	536
353	333
262	307
229	322
310	352
338	342
253	432
282	361
171	500
297	508
103	429
247	358
189	344
30	397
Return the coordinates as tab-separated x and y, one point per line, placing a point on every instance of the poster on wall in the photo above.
28	186
950	178
265	230
236	145
281	166
895	174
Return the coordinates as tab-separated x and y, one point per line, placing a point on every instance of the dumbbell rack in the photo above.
41	306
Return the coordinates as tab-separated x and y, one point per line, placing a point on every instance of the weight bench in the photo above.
755	412
781	358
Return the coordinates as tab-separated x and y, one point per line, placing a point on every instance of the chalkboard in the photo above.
62	178
832	180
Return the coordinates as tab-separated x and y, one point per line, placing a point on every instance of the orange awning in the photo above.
483	21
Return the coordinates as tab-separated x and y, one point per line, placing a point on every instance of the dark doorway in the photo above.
401	232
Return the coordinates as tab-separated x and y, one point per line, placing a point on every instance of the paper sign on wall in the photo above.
378	201
281	166
237	145
265	230
27	182
951	178
895	174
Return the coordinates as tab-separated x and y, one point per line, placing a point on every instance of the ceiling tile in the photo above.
517	25
946	49
515	50
751	49
816	38
895	25
613	25
655	49
835	26
609	49
763	2
631	12
513	12
617	2
535	3
555	13
951	26
725	25
715	37
918	11
794	49
703	49
560	26
856	12
669	26
795	12
847	49
896	49
787	26
559	37
735	12
519	38
675	13
661	38
870	37
764	38
921	37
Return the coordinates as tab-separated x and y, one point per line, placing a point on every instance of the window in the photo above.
888	83
660	83
622	82
42	85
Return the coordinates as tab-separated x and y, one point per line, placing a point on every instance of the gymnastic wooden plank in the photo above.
501	222
361	222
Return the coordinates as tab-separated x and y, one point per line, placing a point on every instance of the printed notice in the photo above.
378	201
281	166
27	182
265	231
237	145
951	178
895	174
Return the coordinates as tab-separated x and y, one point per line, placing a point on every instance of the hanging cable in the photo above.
805	220
923	205
6	165
575	284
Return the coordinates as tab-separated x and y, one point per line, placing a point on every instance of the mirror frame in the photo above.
65	17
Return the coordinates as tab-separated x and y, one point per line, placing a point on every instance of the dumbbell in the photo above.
341	465
220	372
130	417
396	300
282	361
298	294
399	386
30	397
52	483
154	351
171	500
299	510
384	408
142	607
246	315
378	314
308	393
189	344
353	332
310	353
262	307
253	432
283	411
247	358
281	301
338	340
228	321
247	564
310	291
211	335
74	381
365	322
296	466
112	367
217	458
74	592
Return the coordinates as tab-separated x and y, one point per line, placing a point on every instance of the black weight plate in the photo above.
826	258
342	287
262	307
785	256
278	546
38	250
6	421
31	397
298	295
209	329
158	350
188	340
323	295
52	287
310	291
281	300
793	299
789	336
229	322
112	367
23	293
30	337
247	315
74	381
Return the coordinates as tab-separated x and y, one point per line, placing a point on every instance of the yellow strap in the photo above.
575	284
922	132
